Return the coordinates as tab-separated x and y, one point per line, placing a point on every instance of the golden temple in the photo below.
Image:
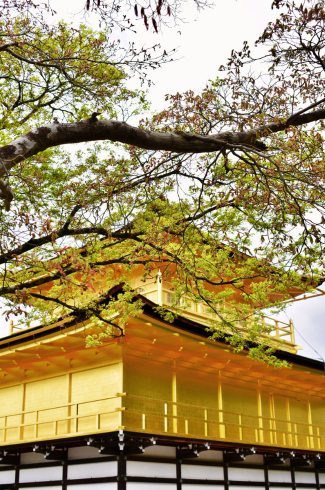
161	384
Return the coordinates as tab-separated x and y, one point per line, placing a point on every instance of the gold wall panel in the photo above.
39	394
197	389
279	409
146	381
212	406
11	400
148	378
240	411
97	383
80	402
299	422
265	422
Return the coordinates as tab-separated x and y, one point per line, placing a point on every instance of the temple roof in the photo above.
181	323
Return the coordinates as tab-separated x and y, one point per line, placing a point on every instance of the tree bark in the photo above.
41	138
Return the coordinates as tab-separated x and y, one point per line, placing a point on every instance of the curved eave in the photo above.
181	323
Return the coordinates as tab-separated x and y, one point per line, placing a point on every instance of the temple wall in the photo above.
167	398
78	402
163	396
160	381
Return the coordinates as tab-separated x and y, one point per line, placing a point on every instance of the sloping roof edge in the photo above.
180	322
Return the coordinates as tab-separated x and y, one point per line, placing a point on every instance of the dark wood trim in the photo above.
178	470
266	475
225	475
151	459
121	472
161	440
17	470
64	470
293	478
317	479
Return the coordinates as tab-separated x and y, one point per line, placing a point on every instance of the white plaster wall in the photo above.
46	488
92	470
202	472
7	477
232	487
245	474
150	486
279	476
158	470
40	474
302	477
92	486
321	477
202	487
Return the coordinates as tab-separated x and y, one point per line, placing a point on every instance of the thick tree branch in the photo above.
5	47
78	311
52	135
67	272
6	193
38	242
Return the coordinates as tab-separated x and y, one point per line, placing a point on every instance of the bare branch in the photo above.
52	135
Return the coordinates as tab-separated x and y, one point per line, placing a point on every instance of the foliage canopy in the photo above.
224	188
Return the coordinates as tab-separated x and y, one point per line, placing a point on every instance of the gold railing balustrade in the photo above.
21	326
215	423
276	329
37	422
164	416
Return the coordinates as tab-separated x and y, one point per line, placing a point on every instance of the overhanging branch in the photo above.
52	135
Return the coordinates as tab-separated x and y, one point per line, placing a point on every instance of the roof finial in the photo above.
159	288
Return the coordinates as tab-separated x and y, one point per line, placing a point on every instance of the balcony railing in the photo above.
151	415
162	293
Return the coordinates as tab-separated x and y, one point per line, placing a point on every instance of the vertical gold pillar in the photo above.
240	422
222	431
290	438
120	400
272	421
159	289
292	332
174	398
310	439
22	417
206	423
260	415
318	439
71	423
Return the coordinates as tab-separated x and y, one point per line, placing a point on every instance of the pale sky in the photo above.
204	44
